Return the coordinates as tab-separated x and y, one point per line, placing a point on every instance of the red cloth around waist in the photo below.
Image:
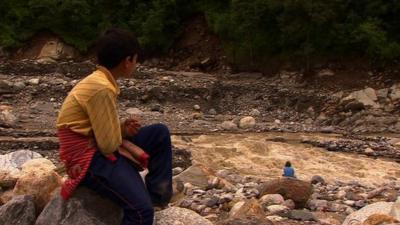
76	152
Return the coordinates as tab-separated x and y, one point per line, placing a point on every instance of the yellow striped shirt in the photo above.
91	109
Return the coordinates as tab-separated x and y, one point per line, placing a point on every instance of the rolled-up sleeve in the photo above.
103	114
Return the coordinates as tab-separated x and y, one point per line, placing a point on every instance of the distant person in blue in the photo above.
288	171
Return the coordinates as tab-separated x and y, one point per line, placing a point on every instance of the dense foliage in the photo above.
251	30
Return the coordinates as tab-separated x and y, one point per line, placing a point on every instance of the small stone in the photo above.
8	118
52	99
197	115
271	199
134	111
289	203
275	218
274	209
247	122
212	112
210	202
318	204
326	73
255	113
360	203
199	191
46	60
335	207
196	107
186	203
277	121
316	179
368	151
222	173
349	210
34	81
341	194
229	125
213	182
177	170
349	202
302	215
19	85
227	197
157	108
198	208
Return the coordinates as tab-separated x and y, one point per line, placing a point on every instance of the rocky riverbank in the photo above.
232	135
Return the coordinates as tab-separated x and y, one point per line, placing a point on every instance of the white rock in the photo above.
134	112
247	122
255	112
272	199
341	194
19	85
366	97
326	72
177	170
395	211
196	107
277	208
361	215
180	216
15	160
7	117
46	60
395	92
371	93
368	151
275	218
349	202
212	112
318	204
229	125
34	81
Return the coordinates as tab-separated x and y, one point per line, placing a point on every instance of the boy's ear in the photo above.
134	58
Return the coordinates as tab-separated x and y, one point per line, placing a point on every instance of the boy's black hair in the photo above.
288	164
114	46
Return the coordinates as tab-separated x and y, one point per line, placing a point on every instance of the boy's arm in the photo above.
138	154
102	112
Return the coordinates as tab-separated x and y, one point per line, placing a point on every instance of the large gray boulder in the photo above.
15	160
85	207
197	175
19	211
361	215
180	216
365	98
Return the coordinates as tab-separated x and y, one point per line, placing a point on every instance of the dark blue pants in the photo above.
122	183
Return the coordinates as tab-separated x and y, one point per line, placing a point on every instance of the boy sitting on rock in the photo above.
97	150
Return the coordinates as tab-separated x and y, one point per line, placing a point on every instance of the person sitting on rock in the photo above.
288	170
97	149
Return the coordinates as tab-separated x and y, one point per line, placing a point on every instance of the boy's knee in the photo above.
161	129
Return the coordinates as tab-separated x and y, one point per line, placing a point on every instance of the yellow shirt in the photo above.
91	109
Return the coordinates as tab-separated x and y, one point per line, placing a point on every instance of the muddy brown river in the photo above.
255	154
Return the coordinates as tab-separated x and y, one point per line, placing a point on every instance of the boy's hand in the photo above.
131	127
144	160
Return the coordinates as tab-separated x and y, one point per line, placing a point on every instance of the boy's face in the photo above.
130	66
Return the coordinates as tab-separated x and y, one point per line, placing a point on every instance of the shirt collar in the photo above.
109	77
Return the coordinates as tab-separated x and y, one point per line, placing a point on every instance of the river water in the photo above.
257	155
